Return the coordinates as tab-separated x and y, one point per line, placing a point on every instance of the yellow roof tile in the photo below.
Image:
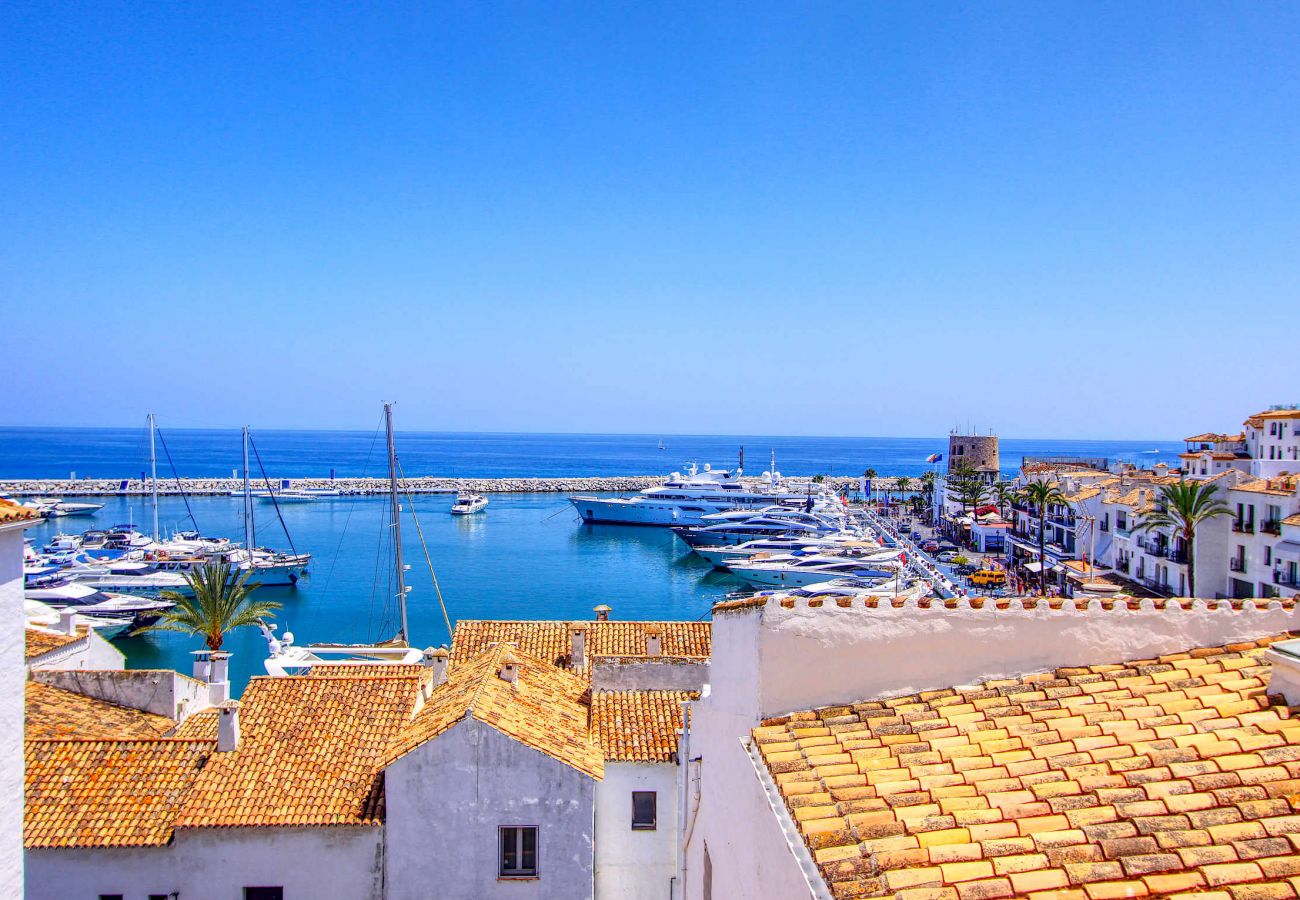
310	753
107	793
1155	776
550	640
546	708
53	713
639	726
13	512
43	640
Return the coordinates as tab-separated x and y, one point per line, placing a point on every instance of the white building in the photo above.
493	771
837	759
13	519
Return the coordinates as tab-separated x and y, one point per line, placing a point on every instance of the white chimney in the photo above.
228	727
202	665
67	622
602	613
219	678
652	640
435	660
577	645
509	669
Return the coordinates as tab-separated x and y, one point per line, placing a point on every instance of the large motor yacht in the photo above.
686	499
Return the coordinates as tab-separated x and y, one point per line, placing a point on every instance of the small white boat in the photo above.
289	496
800	571
46	616
468	504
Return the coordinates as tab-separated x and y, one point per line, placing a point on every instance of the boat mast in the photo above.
396	519
248	504
153	465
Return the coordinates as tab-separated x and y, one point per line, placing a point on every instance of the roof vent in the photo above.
577	645
653	640
435	660
228	727
602	613
509	669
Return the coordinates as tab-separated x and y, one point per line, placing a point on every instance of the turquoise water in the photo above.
527	556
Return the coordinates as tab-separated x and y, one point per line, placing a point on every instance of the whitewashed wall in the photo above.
447	798
636	865
91	653
217	864
11	710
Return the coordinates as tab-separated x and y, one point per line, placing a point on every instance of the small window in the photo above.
110	897
518	851
644	810
161	896
263	893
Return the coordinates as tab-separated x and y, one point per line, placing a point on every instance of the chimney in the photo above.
67	622
652	639
577	645
509	668
602	613
435	660
228	727
219	678
202	665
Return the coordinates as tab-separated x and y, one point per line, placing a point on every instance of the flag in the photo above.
865	484
934	457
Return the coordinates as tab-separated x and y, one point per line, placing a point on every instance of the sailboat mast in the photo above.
153	466
396	519
248	504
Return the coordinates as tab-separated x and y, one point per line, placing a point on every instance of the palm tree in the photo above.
220	604
1182	508
1040	494
1005	492
927	483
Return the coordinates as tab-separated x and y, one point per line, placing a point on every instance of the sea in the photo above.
526	556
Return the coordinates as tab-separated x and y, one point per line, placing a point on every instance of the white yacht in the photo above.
722	555
766	524
801	571
467	504
127	577
43	615
687	499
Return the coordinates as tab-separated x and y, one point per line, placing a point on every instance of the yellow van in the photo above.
988	578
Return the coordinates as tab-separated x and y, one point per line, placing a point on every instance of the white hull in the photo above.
597	510
778	577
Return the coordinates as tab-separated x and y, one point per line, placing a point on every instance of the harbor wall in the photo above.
103	487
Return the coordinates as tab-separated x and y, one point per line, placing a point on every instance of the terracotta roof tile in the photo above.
43	640
310	753
1284	486
1160	776
550	641
639	726
546	709
13	512
107	793
368	670
53	713
1292	520
199	726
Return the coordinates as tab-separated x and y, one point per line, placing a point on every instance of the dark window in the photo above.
110	897
263	893
518	851
161	896
644	810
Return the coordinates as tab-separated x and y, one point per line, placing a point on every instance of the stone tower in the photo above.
980	452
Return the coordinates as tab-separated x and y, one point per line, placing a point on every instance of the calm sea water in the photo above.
123	452
528	556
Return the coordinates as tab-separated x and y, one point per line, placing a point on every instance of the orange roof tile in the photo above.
1292	520
639	726
1157	777
1284	486
12	512
53	713
107	793
547	709
43	640
550	641
1215	438
309	754
368	670
1273	414
199	726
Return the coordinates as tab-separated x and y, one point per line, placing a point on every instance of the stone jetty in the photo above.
100	487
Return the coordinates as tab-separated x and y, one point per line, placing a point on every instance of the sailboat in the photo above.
661	444
288	659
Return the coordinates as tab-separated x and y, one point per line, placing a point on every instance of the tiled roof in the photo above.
53	713
1215	438
550	641
1282	487
12	512
368	670
309	754
1076	604
1273	414
1292	520
639	726
1159	777
547	709
199	726
42	640
107	793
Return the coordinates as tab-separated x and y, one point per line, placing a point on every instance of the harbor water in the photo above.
527	556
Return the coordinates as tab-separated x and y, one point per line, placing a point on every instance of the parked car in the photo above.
948	545
930	546
966	569
947	556
916	535
988	578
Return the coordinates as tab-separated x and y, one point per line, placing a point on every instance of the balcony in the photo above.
1237	565
1272	526
1122	531
1062	521
1285	580
1122	566
1243	527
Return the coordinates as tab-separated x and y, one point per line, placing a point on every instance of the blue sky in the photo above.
1050	219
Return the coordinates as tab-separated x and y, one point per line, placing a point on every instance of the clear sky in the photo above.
880	219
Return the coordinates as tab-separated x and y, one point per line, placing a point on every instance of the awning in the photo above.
1287	549
1033	567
